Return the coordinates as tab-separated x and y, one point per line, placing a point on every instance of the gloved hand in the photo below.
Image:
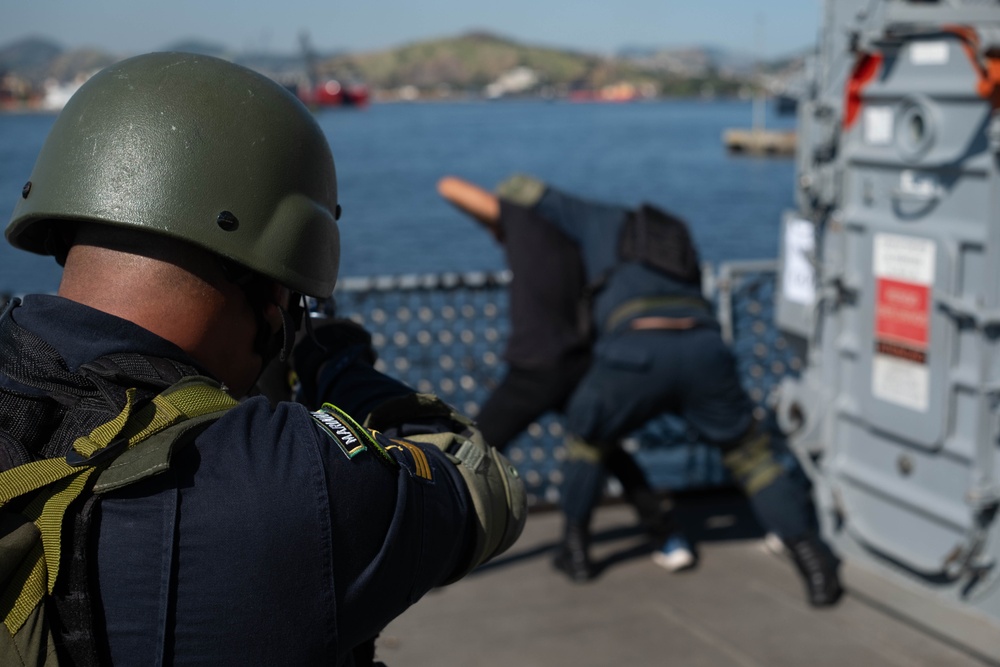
335	345
495	488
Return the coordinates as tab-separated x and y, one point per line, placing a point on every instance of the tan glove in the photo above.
494	485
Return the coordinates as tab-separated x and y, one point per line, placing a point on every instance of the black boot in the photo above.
656	516
818	567
572	557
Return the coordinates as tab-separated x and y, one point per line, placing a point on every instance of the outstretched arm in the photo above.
474	201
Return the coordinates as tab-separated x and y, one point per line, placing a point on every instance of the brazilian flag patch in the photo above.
349	436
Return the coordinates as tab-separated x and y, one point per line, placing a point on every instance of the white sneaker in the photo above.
676	554
773	545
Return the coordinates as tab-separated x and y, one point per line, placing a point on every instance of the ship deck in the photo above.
743	606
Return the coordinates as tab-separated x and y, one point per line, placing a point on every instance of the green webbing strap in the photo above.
639	305
59	483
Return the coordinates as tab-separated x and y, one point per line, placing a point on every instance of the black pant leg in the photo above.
524	395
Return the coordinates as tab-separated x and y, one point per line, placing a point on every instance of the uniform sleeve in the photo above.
401	512
595	226
401	523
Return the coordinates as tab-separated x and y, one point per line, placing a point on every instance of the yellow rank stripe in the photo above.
419	459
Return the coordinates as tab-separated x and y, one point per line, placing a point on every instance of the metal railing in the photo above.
444	333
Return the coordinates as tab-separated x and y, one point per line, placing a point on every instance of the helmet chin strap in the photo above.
278	344
288	331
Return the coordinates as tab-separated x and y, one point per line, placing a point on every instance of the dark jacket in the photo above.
545	291
265	543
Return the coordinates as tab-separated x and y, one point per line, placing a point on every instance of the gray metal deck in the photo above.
742	607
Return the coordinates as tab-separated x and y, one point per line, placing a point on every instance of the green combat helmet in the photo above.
198	149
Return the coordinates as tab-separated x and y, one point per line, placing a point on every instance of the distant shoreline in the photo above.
382	97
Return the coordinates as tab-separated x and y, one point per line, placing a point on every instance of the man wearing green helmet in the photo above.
193	204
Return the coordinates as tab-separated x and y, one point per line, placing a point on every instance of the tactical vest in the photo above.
662	242
115	422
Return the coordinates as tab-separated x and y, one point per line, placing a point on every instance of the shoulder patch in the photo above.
349	436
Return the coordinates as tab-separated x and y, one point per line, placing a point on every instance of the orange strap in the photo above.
865	69
988	86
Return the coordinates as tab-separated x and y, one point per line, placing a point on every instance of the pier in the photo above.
759	142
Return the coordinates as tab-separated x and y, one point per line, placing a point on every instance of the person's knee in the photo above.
578	449
590	415
751	460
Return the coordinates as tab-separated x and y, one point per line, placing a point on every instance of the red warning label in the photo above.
902	312
904	268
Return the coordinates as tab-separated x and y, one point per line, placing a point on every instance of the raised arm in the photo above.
474	201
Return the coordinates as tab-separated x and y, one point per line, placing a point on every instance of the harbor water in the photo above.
389	157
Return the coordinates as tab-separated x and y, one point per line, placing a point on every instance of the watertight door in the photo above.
912	424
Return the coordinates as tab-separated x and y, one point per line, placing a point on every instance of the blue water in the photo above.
390	156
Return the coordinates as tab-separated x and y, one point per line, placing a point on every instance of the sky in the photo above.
766	28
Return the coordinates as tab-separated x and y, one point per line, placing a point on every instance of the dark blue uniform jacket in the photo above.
264	544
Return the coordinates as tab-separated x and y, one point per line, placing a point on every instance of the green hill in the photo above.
455	66
469	62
